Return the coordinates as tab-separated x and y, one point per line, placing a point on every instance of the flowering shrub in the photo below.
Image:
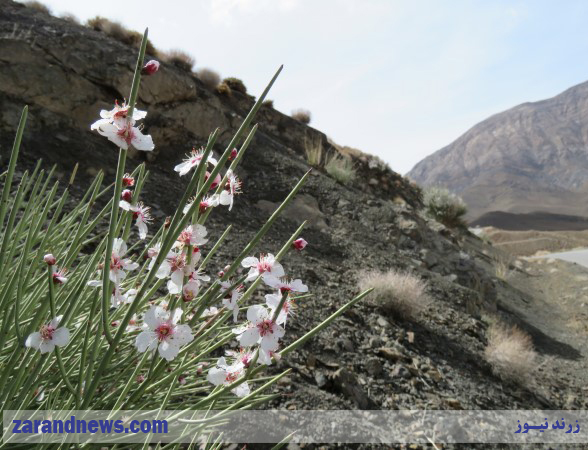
138	323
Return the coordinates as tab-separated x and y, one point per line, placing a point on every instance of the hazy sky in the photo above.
399	79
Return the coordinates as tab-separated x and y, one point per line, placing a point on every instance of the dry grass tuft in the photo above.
399	293
302	115
235	84
313	147
224	89
445	207
117	31
502	264
340	168
510	352
38	6
268	104
209	77
68	17
179	58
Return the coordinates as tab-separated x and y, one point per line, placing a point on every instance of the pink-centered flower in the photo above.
119	265
48	337
163	333
193	235
224	374
266	265
273	301
231	298
207	202
118	116
141	214
192	160
299	244
232	188
126	136
284	285
261	329
190	290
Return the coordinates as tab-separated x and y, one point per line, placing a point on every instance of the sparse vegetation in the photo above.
235	84
340	168
502	264
510	352
399	293
445	207
223	89
302	115
38	6
268	104
68	17
179	58
209	77
313	147
117	31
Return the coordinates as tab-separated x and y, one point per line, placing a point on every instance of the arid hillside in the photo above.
370	358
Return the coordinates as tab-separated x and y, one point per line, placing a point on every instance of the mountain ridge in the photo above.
531	157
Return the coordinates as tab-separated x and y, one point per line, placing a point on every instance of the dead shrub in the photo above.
268	104
179	58
209	77
235	84
341	168
302	115
117	31
38	6
399	293
510	352
313	147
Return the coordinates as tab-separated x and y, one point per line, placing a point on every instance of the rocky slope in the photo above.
66	73
533	157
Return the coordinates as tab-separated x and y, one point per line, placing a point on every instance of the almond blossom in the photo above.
190	290
192	160
48	337
163	333
192	235
266	265
118	264
141	214
207	202
231	299
176	267
224	374
261	329
126	136
273	301
284	285
299	244
117	116
232	188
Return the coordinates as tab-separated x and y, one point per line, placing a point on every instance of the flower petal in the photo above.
34	340
61	337
168	350
146	340
249	337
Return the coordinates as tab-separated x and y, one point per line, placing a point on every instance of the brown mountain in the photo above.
533	157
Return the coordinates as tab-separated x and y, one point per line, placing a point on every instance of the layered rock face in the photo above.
533	157
67	73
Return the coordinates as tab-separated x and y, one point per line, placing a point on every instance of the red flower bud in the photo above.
233	154
216	181
299	244
150	68
127	195
49	259
128	180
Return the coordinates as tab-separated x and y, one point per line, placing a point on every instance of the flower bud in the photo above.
128	180
233	154
299	244
140	378
150	68
167	222
127	195
182	379
49	259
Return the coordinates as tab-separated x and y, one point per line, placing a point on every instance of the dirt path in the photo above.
557	310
